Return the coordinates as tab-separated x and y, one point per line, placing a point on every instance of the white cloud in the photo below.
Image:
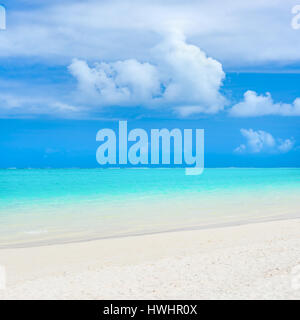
286	145
188	75
20	106
240	149
255	105
262	141
127	82
181	76
229	30
8	101
175	74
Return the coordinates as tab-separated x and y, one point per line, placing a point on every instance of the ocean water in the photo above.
41	206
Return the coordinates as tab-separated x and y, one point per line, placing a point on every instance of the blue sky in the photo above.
70	68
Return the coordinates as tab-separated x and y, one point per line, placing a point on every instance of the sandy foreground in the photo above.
254	261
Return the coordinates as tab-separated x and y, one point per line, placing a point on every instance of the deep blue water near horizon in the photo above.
52	205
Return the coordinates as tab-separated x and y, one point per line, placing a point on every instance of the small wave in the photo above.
34	232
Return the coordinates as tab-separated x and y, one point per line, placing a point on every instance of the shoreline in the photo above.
53	242
243	261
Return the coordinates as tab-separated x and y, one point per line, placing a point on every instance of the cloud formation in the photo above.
262	141
255	105
132	70
91	29
24	106
181	77
127	82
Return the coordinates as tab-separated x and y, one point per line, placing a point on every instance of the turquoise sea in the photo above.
44	206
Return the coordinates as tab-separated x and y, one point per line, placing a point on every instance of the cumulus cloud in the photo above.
285	145
175	74
262	141
255	105
181	76
127	82
189	76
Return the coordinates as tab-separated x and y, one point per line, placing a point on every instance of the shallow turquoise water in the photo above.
39	205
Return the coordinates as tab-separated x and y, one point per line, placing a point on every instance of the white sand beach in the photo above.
253	261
